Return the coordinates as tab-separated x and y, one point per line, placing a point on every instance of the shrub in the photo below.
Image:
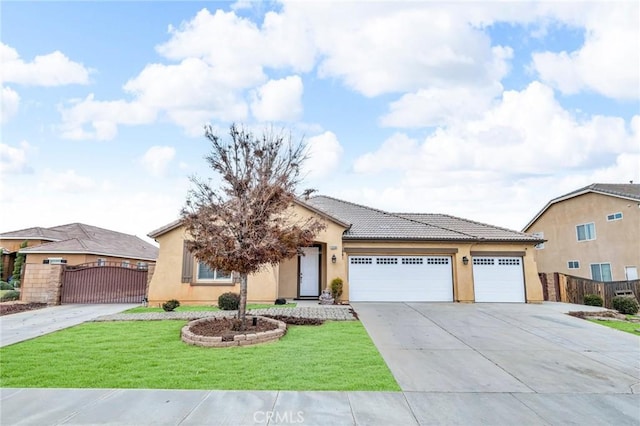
336	288
170	305
229	301
625	305
5	286
10	295
593	300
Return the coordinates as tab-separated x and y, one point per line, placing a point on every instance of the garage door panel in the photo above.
398	278
498	279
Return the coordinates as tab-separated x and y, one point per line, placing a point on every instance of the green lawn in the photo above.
149	354
629	327
188	308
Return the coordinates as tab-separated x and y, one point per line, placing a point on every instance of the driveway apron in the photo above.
522	362
16	328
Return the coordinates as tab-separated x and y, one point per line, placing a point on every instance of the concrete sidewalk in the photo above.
16	328
187	407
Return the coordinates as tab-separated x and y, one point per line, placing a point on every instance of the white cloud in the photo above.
103	117
68	181
14	159
52	69
278	100
609	61
157	158
10	104
523	151
323	155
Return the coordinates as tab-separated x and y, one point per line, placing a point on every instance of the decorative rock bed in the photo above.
238	340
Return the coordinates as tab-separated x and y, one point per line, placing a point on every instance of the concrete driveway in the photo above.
27	325
488	363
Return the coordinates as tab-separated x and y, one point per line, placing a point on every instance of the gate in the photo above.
103	283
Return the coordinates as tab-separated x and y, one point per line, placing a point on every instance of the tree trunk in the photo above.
242	307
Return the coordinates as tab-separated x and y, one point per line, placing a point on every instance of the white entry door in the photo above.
498	279
631	272
310	272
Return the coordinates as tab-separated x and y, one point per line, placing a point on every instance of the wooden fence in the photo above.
570	289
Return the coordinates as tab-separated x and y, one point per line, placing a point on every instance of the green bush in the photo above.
170	305
229	301
593	300
10	295
336	288
625	305
5	286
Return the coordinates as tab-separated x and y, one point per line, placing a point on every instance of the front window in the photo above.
586	232
205	273
601	272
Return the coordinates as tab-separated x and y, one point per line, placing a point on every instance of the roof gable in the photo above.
626	191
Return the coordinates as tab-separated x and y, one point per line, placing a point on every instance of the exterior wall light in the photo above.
465	260
333	259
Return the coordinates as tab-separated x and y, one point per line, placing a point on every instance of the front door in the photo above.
310	272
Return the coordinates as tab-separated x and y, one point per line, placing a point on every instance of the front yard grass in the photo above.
337	355
191	308
629	327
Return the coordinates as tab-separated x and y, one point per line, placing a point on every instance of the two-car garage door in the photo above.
400	278
430	279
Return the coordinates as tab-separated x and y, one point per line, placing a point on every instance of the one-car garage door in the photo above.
498	279
400	279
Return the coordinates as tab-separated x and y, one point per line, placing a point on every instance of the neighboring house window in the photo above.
102	262
540	235
601	272
205	273
125	264
586	232
54	261
142	265
631	273
614	216
573	264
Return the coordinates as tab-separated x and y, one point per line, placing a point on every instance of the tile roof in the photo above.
81	238
629	191
373	224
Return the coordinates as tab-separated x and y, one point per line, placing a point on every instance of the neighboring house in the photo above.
381	256
593	232
75	244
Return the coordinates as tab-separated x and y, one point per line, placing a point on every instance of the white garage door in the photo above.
400	279
498	279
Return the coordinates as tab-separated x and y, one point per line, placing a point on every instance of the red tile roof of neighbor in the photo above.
81	238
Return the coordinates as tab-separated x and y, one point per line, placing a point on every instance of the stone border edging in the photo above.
238	340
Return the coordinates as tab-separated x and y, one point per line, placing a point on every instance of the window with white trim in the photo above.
125	264
142	265
601	272
206	274
586	231
540	235
573	264
614	216
101	261
54	261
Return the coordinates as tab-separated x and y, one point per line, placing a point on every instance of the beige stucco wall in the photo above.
616	241
14	245
77	259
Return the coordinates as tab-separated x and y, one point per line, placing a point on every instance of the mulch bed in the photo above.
14	308
295	320
224	327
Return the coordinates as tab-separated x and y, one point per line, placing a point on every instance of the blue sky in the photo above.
484	110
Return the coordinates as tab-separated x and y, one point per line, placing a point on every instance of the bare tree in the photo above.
242	225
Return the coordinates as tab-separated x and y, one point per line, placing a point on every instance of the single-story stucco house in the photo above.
381	256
